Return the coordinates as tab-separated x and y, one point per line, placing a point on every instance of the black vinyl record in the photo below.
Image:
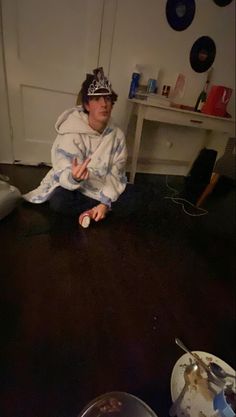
222	3
180	13
202	54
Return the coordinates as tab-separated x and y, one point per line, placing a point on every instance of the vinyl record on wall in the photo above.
180	13
202	54
222	3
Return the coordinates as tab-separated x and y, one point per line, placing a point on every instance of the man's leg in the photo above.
70	203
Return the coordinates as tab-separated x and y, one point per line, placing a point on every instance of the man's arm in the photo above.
69	162
116	177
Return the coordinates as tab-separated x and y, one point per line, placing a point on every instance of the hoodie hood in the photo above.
75	120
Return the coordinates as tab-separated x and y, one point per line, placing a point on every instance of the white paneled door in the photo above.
49	45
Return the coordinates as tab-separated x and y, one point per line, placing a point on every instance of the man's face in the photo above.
99	108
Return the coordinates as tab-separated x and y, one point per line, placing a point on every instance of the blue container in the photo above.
220	404
134	84
152	86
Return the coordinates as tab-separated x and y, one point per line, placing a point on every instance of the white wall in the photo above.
136	31
6	154
142	35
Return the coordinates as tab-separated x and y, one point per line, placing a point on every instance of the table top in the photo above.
180	110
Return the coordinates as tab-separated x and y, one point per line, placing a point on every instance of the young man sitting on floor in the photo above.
88	156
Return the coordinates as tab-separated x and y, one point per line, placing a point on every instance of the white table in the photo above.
174	116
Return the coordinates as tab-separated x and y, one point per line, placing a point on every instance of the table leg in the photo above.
137	140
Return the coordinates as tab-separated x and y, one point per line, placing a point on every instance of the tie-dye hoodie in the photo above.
108	153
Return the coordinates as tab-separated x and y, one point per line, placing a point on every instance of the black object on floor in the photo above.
199	175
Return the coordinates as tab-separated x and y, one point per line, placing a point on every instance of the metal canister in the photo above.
152	86
134	84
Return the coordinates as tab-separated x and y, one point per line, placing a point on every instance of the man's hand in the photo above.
80	171
99	212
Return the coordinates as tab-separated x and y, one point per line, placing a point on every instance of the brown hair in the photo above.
83	97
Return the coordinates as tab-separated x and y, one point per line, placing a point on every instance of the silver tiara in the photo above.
100	84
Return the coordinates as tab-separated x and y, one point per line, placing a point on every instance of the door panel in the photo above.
49	47
39	132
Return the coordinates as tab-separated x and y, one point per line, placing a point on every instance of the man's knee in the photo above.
60	200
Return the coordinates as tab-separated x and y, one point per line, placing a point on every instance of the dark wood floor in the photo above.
84	312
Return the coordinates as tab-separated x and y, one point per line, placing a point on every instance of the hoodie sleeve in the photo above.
116	177
65	148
